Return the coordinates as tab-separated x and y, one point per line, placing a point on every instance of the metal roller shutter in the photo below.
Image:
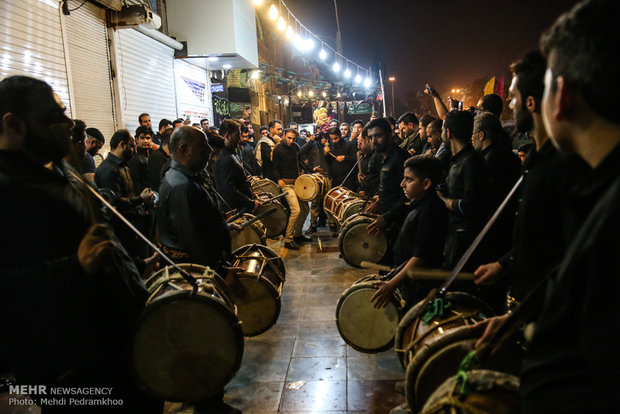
90	68
146	80
31	43
193	92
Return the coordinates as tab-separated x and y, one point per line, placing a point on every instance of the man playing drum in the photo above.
191	228
421	238
286	169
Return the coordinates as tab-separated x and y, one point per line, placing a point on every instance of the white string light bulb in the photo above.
336	67
281	24
347	73
323	54
273	12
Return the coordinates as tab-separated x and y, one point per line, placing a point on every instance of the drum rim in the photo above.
342	298
230	315
264	247
409	318
263	231
286	212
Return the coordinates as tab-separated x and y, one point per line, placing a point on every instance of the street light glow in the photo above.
289	33
392	78
258	2
299	93
367	82
255	74
310	93
273	12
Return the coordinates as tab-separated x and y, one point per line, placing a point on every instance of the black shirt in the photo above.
188	218
267	163
249	159
540	237
232	183
467	184
371	168
338	170
390	177
572	364
113	174
88	164
312	154
138	169
155	167
285	162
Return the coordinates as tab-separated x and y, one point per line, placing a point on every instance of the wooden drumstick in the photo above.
435	274
374	266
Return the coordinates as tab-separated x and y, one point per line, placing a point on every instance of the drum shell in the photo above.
334	201
350	209
441	358
263	277
265	185
412	334
310	187
356	245
360	324
275	223
174	355
493	393
253	234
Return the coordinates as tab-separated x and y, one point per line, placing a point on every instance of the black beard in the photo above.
46	150
524	120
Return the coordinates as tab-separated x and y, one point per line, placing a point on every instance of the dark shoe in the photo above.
334	231
291	245
400	387
301	239
311	230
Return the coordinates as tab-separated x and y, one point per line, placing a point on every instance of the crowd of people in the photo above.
432	182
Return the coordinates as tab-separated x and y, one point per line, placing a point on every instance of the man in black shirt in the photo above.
340	156
138	163
265	146
409	128
113	174
54	276
286	170
248	158
230	179
465	195
504	168
421	238
313	157
369	165
164	124
158	159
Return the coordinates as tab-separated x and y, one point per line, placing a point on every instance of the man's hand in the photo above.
382	296
234	227
151	265
233	283
95	248
257	204
326	149
281	183
488	274
372	208
377	226
340	158
360	178
411	152
489	327
147	196
311	137
317	169
276	139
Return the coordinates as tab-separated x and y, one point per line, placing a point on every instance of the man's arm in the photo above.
111	179
276	164
228	175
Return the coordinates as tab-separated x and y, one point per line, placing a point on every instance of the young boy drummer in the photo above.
421	239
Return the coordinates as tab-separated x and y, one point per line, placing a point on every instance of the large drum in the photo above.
251	234
363	326
441	358
413	333
187	345
275	223
310	187
493	392
356	245
340	204
263	278
265	185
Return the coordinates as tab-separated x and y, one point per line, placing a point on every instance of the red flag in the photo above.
499	86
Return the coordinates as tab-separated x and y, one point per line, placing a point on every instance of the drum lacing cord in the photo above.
457	316
438	308
461	376
262	267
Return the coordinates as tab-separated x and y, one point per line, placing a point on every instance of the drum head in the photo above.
361	325
186	347
356	245
349	209
253	234
260	308
307	187
264	185
275	223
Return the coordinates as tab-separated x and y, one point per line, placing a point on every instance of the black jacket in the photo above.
138	170
390	177
338	170
155	167
232	183
285	161
113	174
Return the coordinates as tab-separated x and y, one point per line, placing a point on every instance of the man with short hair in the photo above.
230	178
356	130
138	163
334	123
286	170
177	123
144	119
204	125
412	143
424	122
247	153
313	157
59	270
293	125
345	131
491	103
369	166
340	156
265	146
164	124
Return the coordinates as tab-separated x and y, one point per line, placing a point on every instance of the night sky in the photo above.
448	43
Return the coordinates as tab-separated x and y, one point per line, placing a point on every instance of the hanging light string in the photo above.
310	40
